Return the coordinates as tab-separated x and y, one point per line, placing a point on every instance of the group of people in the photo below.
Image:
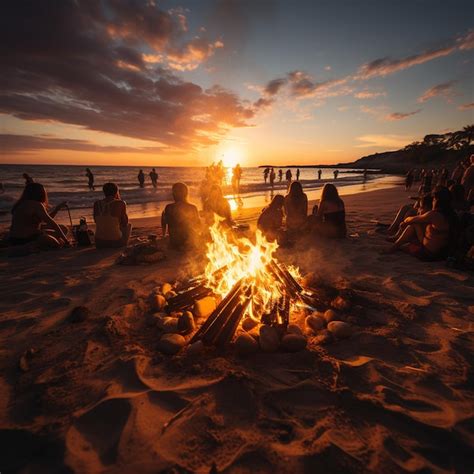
439	223
269	175
153	177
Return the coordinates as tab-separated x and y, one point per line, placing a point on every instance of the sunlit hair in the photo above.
33	192
110	189
180	192
216	191
330	194
296	189
277	202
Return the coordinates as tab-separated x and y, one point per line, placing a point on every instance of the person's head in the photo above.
88	170
458	193
154	170
215	192
296	189
180	192
277	202
33	192
442	200
426	203
330	193
25	176
110	190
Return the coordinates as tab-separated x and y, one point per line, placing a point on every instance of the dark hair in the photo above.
426	201
32	192
180	192
110	189
330	194
442	201
277	202
296	189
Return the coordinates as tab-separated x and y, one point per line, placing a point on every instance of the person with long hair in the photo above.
296	208
31	222
330	218
217	204
111	220
427	236
270	221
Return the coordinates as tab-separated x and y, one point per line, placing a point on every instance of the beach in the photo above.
97	396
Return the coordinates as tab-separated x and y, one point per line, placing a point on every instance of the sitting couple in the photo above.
33	225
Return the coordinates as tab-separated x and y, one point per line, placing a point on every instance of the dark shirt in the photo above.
182	219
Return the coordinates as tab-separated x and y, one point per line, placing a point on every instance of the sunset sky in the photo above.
186	83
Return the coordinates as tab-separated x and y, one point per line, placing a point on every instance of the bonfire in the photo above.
250	286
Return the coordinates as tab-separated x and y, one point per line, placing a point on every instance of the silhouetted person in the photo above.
409	180
296	208
297	174
270	221
31	222
289	177
141	178
336	172
365	175
330	214
112	228
236	176
266	171
319	174
28	179
154	177
181	220
90	179
280	175
217	204
272	178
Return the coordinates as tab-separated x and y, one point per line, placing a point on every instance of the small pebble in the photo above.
158	302
330	315
170	294
248	324
195	348
186	323
294	329
269	338
204	307
315	323
166	288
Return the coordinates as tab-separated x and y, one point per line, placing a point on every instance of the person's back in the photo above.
296	208
111	219
182	220
26	220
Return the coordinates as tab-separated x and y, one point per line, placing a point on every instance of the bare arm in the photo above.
426	218
45	217
164	223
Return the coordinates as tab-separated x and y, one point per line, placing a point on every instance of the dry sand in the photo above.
96	396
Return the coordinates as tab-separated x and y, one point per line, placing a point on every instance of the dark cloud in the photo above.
11	143
401	115
87	63
440	90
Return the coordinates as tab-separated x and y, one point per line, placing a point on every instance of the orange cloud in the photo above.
401	115
441	90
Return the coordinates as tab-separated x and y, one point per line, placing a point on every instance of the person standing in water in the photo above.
90	178
319	174
141	179
336	172
154	177
28	179
272	178
297	174
289	177
280	175
265	174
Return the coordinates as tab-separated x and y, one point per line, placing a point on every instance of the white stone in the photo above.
340	329
171	343
170	294
195	348
204	307
158	302
186	323
269	338
165	288
294	329
315	323
293	342
330	315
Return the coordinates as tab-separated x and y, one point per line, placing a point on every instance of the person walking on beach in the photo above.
154	177
336	172
141	178
280	175
297	174
90	178
266	171
272	178
319	175
237	175
289	177
110	215
409	180
28	179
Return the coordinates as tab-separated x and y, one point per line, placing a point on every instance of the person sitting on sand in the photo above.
331	214
31	222
216	203
270	221
111	219
427	236
296	208
181	220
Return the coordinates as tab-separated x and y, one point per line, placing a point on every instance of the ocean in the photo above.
69	183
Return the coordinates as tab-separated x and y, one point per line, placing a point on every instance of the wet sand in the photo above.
96	396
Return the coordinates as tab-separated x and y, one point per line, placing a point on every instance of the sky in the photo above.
167	83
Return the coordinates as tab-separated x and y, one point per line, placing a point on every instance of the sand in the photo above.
96	396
